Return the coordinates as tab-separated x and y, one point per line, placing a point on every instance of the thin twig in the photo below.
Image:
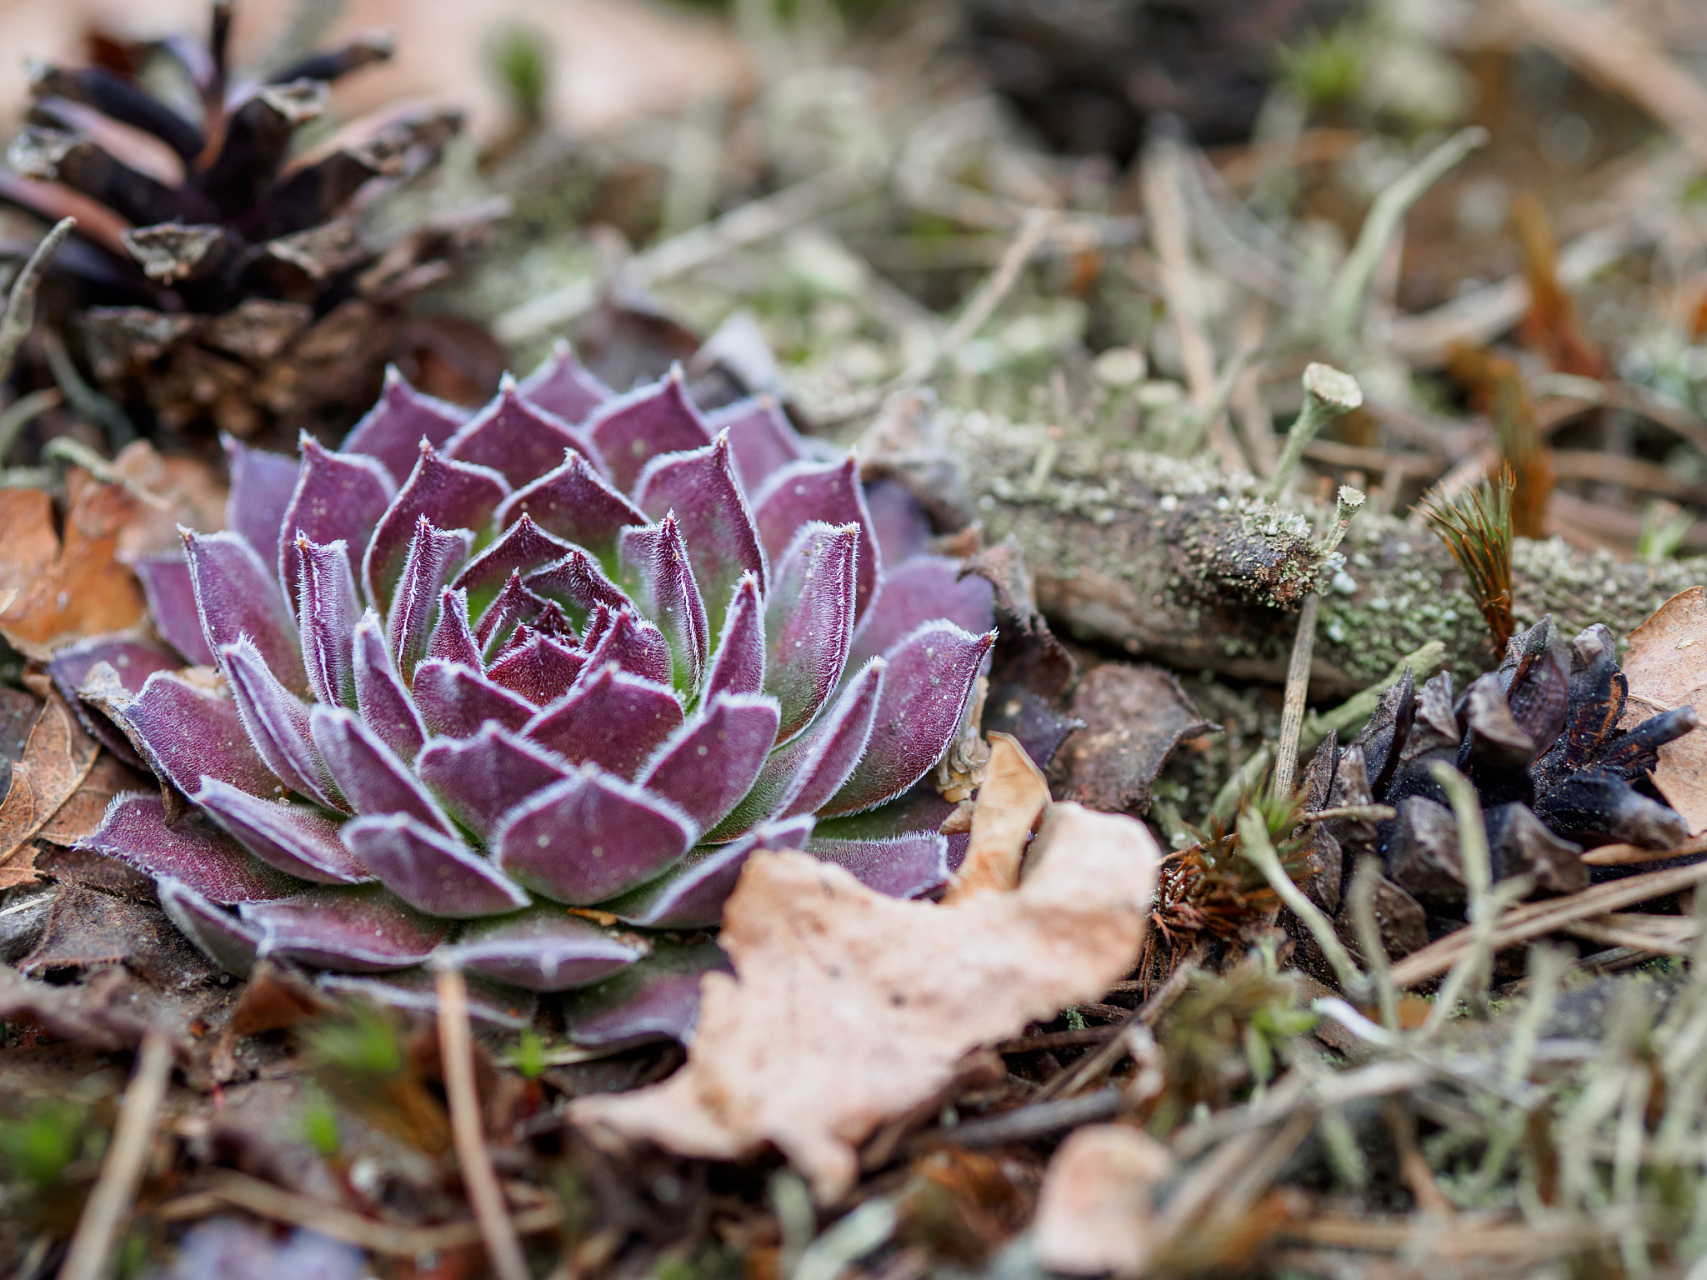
1624	855
72	450
1037	1120
456	1049
23	411
1351	285
1297	692
21	305
121	1171
989	295
1533	919
749	224
1094	1065
240	1191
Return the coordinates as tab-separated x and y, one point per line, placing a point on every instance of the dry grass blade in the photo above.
121	1171
457	1049
1477	531
1624	855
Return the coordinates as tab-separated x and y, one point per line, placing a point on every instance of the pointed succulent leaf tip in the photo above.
434	554
453	495
523	547
455	701
690	895
590	837
827	492
296	838
925	692
277	723
902	866
562	385
261	487
134	830
701	490
393	429
659	577
383	702
708	764
237	595
326	614
226	939
578	584
809	621
738	663
632	643
479	778
184	731
359	929
610	718
761	438
430	871
338	496
514	605
516	438
545	949
798	777
633	429
576	504
370	774
540	669
656	999
171	597
132	661
924	589
452	639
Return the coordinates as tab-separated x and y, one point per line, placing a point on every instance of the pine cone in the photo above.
1538	738
214	278
469	672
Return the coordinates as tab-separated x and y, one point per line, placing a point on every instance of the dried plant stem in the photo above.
21	305
1328	393
1255	845
989	295
1093	1066
456	1048
1624	855
121	1171
1369	938
1478	880
1533	919
1297	691
1351	285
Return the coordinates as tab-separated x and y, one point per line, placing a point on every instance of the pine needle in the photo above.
1477	531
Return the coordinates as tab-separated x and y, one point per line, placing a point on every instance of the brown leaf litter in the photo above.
54	591
1667	668
57	759
848	1008
1134	718
1095	1210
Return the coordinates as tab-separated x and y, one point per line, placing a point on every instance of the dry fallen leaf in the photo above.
182	490
1666	668
1010	805
849	1008
1095	1207
1134	718
57	758
84	808
50	600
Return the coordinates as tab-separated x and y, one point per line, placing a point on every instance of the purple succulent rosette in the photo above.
571	650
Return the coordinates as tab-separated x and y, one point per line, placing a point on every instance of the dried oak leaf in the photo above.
57	758
1134	718
1667	667
1095	1209
848	1007
54	592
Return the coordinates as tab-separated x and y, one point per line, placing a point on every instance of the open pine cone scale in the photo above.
1538	739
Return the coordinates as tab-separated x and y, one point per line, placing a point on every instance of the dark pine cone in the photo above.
1539	740
215	277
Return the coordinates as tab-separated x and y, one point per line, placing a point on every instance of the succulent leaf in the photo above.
924	589
659	576
523	547
228	940
590	837
339	497
543	950
451	494
631	643
184	732
357	929
171	596
690	894
631	430
658	998
700	489
326	616
561	385
761	438
262	484
298	839
713	759
431	871
516	438
370	774
576	504
541	668
828	493
195	853
482	777
434	554
902	866
809	621
381	697
277	723
236	597
611	718
393	429
455	701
